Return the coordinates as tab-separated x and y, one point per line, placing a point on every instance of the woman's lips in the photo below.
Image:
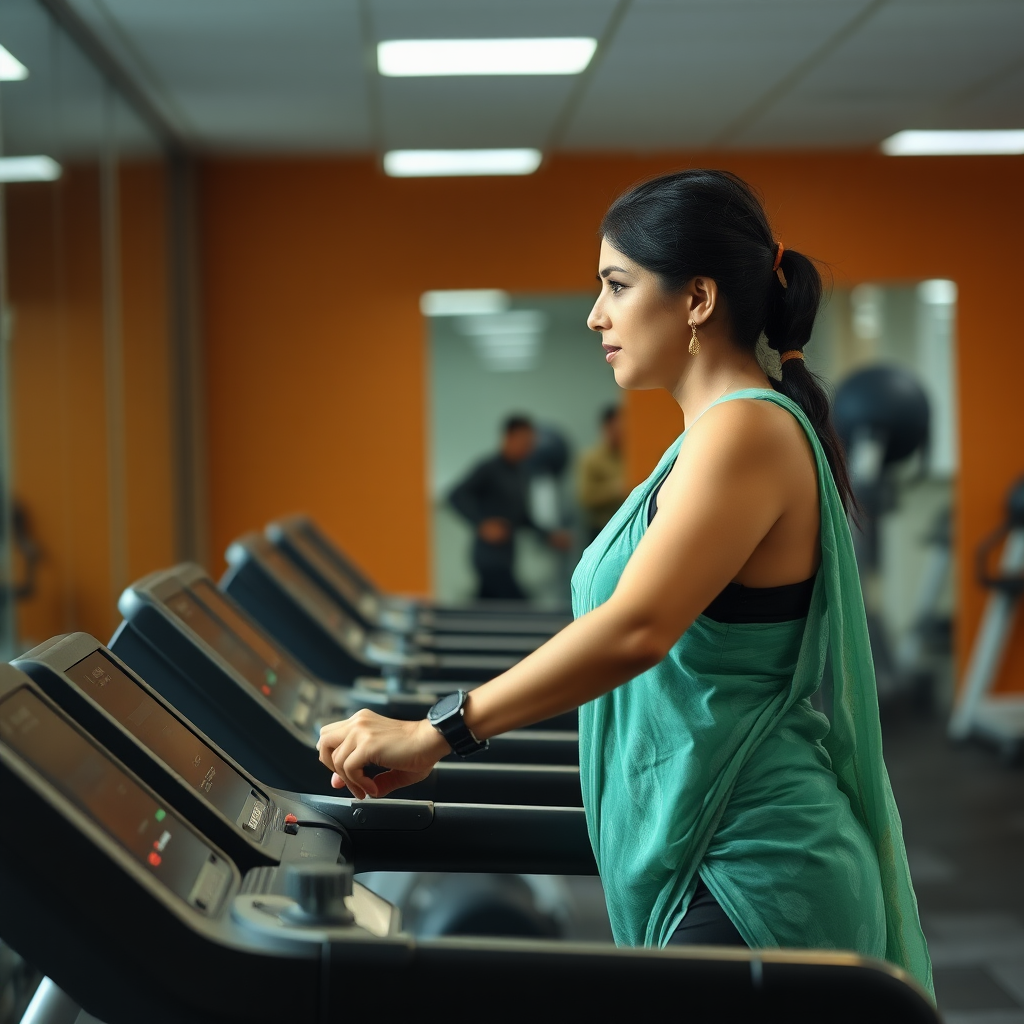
610	352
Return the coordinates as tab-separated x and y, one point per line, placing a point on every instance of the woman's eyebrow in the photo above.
611	270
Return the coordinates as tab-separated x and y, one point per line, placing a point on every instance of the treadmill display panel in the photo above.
152	724
274	658
261	676
365	603
156	837
327	611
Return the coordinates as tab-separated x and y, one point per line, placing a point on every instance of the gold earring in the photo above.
694	340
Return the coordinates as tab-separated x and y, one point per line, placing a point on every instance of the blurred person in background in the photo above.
494	499
601	478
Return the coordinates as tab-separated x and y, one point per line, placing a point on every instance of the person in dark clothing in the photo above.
494	498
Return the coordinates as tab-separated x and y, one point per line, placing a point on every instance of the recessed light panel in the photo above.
29	168
440	163
954	143
464	302
11	69
404	58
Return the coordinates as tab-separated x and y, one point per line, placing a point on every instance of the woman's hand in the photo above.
409	750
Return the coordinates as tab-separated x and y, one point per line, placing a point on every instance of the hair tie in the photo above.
778	258
793	353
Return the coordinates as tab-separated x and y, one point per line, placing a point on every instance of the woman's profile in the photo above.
722	808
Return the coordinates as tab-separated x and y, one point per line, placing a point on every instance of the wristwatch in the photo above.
446	717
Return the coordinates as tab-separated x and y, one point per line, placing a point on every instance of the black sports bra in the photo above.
737	603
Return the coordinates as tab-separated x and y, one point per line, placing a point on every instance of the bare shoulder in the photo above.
748	429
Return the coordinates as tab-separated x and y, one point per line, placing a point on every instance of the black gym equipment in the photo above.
170	754
304	619
306	544
195	647
997	718
313	560
882	416
323	633
138	915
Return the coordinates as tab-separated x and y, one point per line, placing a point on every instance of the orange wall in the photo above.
316	354
54	268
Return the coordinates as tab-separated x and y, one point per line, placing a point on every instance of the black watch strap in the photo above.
447	718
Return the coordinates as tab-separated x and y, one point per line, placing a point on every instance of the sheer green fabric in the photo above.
714	764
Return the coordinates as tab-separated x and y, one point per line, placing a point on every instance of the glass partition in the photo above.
85	306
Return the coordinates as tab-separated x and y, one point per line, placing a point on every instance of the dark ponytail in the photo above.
711	223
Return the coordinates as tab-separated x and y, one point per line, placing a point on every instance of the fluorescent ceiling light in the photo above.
439	163
507	342
29	168
937	292
11	69
954	143
402	58
516	322
467	302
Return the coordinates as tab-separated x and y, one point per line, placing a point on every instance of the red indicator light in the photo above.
155	859
265	689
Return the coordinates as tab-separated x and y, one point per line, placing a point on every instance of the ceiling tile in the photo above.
679	73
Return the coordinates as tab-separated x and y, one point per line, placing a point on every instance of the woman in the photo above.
721	807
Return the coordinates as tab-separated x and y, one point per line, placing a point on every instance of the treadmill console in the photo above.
156	728
154	836
276	679
352	635
311	551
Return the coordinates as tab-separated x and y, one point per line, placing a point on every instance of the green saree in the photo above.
714	764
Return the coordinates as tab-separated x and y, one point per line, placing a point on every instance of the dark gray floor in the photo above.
963	821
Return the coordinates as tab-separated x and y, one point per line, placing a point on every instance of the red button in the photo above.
290	819
265	689
155	859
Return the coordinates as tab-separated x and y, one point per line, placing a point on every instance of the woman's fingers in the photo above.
387	782
359	783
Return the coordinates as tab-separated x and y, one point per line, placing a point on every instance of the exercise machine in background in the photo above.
998	718
312	550
882	416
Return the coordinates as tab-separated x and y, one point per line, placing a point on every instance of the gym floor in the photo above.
963	820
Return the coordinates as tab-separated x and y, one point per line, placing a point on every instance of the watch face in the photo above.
445	706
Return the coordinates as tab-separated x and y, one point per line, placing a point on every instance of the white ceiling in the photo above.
298	75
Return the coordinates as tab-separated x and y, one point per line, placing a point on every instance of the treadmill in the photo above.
192	644
316	629
313	560
303	541
137	913
169	753
336	645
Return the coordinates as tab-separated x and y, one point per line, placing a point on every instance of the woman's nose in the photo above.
597	321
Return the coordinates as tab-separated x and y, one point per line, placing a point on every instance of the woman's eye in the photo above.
616	287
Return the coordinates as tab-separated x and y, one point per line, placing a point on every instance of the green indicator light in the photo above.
271	676
160	815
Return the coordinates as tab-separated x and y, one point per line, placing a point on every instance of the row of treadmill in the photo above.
171	849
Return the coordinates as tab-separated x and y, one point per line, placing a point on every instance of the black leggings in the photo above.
705	923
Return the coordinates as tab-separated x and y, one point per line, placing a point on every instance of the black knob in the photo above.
319	891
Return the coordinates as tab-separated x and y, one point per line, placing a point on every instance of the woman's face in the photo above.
643	329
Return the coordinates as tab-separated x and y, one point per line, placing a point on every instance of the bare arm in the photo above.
721	499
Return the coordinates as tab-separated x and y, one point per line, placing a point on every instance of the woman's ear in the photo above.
703	293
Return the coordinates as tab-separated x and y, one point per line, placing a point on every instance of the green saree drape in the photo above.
714	764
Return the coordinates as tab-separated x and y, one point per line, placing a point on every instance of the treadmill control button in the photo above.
290	819
300	716
307	691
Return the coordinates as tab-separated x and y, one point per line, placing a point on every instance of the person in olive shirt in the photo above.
494	498
601	479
